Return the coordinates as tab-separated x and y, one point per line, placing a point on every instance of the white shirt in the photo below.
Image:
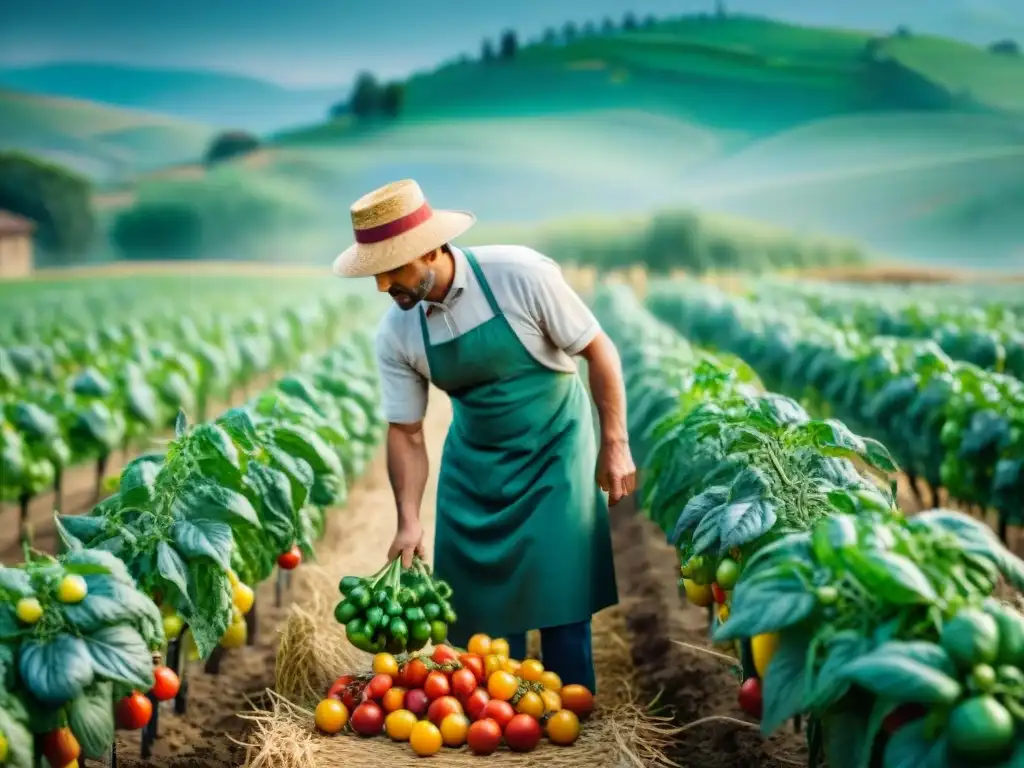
550	319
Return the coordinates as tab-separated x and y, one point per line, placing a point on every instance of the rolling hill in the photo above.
101	142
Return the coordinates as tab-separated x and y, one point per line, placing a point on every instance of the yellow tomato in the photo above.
551	681
698	594
531	704
399	724
385	664
425	738
72	589
499	647
531	670
233	578
454	729
331	716
236	635
492	664
762	647
502	685
243	597
552	701
28	610
563	728
3	748
511	666
723	612
173	626
479	644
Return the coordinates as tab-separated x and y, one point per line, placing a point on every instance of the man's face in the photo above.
409	285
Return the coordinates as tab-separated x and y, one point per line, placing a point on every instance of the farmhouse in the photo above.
15	245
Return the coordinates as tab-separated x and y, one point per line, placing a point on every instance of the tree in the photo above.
589	29
509	44
607	26
902	31
392	99
58	200
569	31
158	230
487	51
1005	47
550	36
629	22
230	144
364	101
650	21
720	10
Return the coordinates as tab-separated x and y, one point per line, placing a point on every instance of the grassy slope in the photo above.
95	139
740	115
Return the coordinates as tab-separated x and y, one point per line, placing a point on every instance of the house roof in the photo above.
13	224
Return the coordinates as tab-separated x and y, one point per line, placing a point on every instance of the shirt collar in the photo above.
459	280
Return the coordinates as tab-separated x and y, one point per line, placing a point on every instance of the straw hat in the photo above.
395	225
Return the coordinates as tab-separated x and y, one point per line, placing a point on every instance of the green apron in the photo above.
522	527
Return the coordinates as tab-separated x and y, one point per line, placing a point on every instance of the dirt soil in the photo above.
691	683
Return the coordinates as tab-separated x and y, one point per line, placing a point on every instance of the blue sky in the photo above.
323	42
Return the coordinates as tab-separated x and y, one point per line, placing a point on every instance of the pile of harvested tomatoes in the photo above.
478	698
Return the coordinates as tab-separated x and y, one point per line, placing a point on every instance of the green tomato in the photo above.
980	730
727	573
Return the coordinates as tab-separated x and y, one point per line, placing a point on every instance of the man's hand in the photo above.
616	472
408	542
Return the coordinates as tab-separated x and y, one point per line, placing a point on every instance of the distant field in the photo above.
98	140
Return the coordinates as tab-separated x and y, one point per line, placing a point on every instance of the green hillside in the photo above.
101	141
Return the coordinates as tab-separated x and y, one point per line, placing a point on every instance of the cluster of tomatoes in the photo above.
476	698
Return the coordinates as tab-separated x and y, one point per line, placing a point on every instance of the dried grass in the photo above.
313	652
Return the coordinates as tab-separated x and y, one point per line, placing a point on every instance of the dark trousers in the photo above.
566	650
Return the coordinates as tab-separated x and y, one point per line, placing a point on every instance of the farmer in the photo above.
522	529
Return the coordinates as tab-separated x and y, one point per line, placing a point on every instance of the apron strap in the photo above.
475	266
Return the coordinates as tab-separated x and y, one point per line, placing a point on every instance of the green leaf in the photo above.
743	522
766	605
91	717
706	536
209	501
119	654
910	747
299	473
9	625
844	736
239	425
57	670
180	424
274	494
203	538
210	616
81	528
15	582
307	445
89	562
894	672
20	742
171	567
890	577
137	487
831	683
785	681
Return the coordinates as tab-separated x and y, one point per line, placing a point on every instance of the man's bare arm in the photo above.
616	472
408	469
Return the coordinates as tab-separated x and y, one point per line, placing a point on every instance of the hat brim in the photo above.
367	260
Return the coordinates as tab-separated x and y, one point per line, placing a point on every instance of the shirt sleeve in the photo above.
403	388
559	311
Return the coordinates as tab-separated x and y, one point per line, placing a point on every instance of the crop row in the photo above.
166	567
881	630
955	425
79	383
967	325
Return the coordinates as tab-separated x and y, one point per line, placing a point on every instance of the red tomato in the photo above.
500	711
414	674
442	707
289	561
718	593
475	664
464	682
165	684
378	686
437	685
134	711
417	702
60	747
484	737
368	719
337	690
522	733
475	703
750	697
443	654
